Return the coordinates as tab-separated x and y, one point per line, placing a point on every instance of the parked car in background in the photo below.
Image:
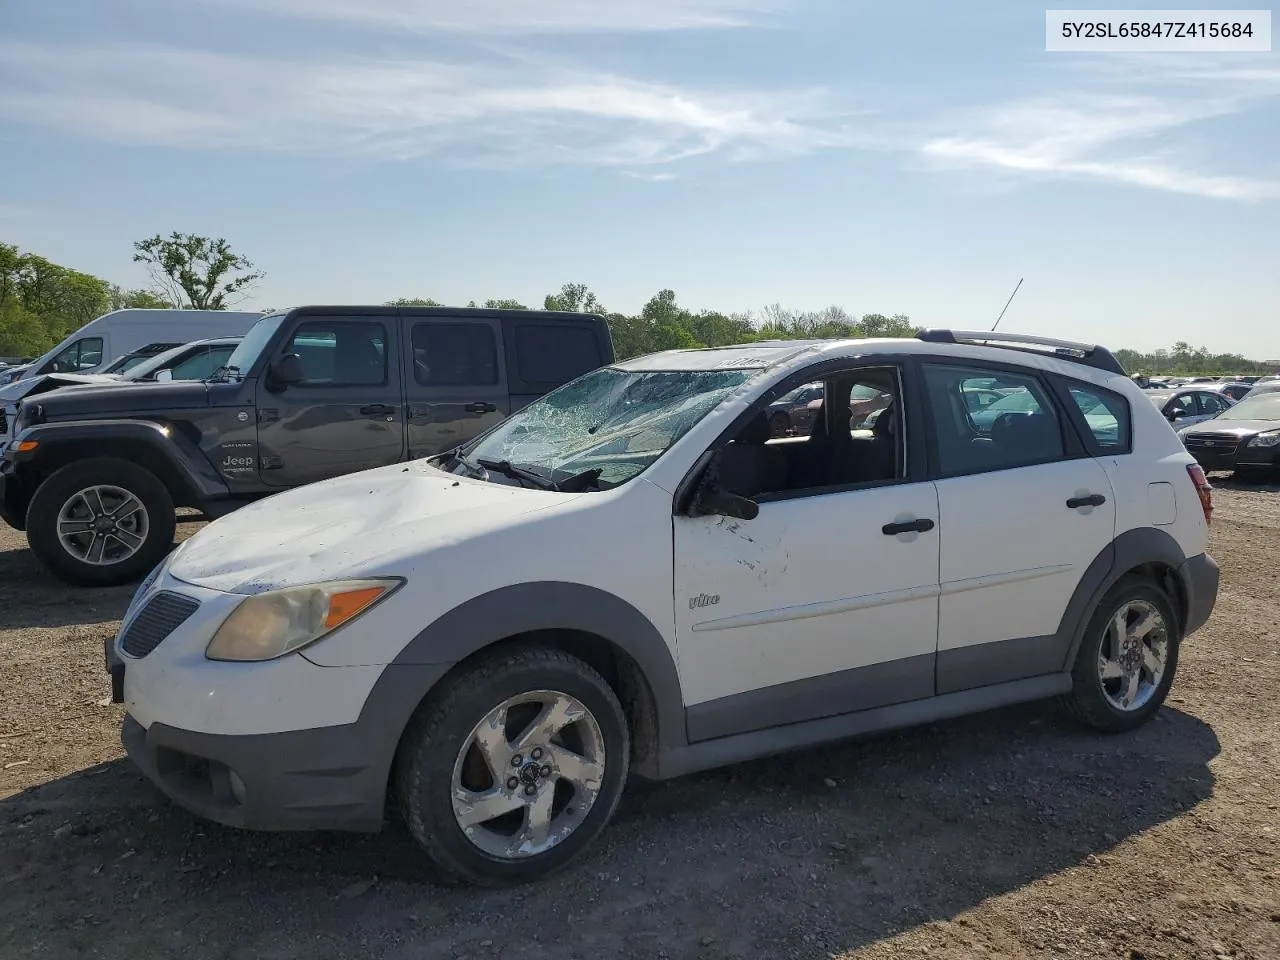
487	641
130	360
1232	389
1263	386
1245	438
122	332
1185	406
93	472
793	414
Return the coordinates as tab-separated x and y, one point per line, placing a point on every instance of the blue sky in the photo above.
906	157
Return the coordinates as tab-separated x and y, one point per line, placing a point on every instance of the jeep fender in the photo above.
182	467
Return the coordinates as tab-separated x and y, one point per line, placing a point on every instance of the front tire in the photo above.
1127	659
513	767
100	522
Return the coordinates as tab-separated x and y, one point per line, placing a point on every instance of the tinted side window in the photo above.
1212	404
81	355
454	354
547	353
340	353
1106	414
201	365
1187	401
1019	429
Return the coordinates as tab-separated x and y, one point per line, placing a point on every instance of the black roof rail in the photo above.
1088	354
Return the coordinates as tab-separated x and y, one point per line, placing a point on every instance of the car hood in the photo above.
122	398
1238	429
378	522
51	381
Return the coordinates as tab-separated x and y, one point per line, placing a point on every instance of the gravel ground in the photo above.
1012	834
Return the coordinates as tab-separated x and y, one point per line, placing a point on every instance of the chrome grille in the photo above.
163	614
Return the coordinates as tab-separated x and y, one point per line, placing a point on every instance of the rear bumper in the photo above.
322	779
1199	575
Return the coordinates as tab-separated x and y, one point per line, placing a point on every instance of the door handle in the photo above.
1093	500
377	409
480	407
907	526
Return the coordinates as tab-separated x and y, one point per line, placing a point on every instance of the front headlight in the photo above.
1266	439
269	625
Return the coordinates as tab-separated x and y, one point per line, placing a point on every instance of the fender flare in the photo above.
555	605
190	468
1131	549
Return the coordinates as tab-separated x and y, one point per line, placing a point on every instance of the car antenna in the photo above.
1006	305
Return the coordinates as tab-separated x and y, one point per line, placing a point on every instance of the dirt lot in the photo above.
1013	834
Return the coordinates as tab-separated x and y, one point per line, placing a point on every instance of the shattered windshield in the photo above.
614	421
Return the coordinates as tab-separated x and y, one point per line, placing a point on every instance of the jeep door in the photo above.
346	414
455	380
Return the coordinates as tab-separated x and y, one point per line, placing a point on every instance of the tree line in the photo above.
41	302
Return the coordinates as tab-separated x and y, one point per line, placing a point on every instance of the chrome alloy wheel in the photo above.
1133	655
528	774
102	525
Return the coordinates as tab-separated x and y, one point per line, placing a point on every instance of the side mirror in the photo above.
164	376
1177	413
287	370
712	499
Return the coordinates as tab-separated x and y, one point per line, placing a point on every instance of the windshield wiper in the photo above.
509	469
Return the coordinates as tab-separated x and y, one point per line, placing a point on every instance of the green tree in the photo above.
413	302
573	298
122	299
195	270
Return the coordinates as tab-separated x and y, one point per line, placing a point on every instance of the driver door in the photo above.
818	606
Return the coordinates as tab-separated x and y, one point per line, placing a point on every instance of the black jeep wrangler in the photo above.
94	473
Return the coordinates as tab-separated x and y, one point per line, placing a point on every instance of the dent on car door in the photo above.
826	601
1023	512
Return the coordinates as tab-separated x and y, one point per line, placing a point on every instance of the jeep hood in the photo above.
366	524
114	398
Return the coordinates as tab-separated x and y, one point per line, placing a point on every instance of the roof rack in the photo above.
1088	354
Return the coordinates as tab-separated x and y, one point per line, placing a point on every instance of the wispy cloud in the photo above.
496	109
1124	140
525	16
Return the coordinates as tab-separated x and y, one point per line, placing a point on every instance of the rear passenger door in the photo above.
455	380
345	415
545	353
1023	511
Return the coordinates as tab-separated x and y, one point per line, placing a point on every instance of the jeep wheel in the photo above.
514	767
1127	659
100	522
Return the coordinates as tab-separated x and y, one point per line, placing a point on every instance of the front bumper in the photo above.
13	496
324	779
1199	575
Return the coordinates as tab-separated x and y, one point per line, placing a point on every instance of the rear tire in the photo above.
100	522
489	808
1127	659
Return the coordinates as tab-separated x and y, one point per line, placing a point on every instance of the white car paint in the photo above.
809	588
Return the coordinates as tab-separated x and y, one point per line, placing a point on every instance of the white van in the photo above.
114	334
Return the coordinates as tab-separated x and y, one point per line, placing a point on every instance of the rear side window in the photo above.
552	353
1106	415
454	354
342	353
1019	429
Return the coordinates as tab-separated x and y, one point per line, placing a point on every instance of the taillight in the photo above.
1196	473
